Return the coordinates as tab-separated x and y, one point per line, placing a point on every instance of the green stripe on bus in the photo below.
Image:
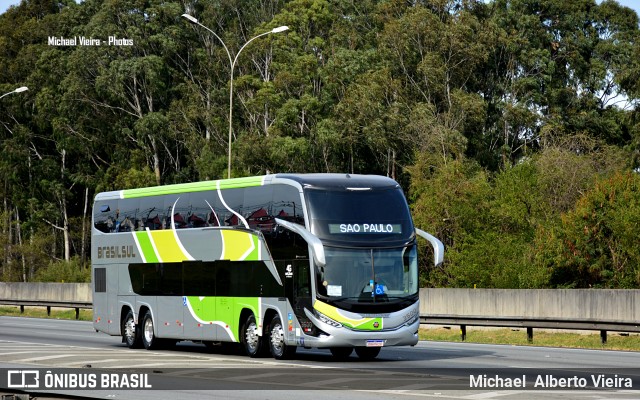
255	254
241	182
192	187
224	311
146	247
361	324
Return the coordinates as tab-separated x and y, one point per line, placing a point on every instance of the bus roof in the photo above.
319	181
340	181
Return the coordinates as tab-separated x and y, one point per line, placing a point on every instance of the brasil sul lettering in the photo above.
116	251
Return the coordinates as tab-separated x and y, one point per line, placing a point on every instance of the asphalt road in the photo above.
430	369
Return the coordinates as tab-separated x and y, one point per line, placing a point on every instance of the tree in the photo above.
594	244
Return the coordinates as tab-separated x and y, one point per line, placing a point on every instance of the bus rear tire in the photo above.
252	343
341	353
279	349
367	353
131	334
149	339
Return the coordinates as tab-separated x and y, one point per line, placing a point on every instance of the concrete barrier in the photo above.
585	309
602	305
67	295
46	292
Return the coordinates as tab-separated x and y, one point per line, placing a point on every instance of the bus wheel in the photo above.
250	339
367	353
130	332
279	349
341	353
149	339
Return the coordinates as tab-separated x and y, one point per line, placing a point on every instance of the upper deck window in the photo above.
252	207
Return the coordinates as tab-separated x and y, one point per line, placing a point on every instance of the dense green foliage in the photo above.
512	124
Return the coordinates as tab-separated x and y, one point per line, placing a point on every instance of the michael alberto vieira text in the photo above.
598	381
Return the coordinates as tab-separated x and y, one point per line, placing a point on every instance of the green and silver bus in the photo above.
272	262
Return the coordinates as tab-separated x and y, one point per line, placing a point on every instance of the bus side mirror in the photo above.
438	247
316	245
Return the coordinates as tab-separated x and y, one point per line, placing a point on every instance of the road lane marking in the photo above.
491	395
43	358
328	383
415	386
11	353
87	362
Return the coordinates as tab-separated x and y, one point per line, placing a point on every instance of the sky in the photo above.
635	4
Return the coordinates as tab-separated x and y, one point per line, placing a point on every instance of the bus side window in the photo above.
303	280
151	213
259	209
234	198
287	245
128	211
287	204
199	278
104	215
175	207
205	209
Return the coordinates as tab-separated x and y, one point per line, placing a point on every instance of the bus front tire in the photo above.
341	353
279	349
251	342
367	353
130	332
149	339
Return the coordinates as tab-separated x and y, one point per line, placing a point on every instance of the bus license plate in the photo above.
375	343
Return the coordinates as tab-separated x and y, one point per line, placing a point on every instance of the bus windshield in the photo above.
363	217
368	275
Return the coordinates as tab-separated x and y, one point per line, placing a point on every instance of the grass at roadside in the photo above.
615	340
41	312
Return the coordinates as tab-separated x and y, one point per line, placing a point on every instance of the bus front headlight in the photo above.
327	320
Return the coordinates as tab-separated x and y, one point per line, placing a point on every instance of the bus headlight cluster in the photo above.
327	320
412	321
411	317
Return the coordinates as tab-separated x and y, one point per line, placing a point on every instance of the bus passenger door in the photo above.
298	290
302	287
101	309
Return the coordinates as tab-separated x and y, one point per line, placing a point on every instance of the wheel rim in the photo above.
130	330
251	337
277	339
148	330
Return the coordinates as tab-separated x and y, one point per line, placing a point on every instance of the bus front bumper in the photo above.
404	335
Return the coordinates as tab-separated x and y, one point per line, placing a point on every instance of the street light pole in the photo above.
232	65
18	90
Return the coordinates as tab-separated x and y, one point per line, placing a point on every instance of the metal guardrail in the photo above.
530	323
49	304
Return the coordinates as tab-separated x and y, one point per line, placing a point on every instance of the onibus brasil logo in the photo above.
33	379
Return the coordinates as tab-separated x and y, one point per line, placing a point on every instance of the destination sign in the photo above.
365	228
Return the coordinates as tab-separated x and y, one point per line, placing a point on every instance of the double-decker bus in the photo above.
273	262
